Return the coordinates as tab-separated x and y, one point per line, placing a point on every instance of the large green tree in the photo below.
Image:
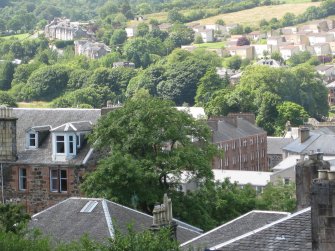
150	144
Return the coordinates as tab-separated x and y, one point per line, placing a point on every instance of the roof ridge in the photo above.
214	229
260	229
108	218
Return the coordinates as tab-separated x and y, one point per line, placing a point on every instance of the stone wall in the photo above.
38	195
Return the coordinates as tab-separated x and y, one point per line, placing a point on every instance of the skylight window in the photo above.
88	208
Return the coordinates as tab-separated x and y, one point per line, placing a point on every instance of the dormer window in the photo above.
33	140
36	135
68	138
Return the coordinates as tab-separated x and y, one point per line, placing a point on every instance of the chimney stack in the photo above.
8	151
162	217
303	134
305	172
323	211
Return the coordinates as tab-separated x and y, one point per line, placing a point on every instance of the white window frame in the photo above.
67	154
29	138
59	179
23	179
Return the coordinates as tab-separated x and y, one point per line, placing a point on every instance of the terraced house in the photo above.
44	154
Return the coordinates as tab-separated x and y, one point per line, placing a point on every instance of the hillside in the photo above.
253	16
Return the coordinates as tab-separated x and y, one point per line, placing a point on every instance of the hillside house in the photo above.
269	62
297	38
207	35
244	52
63	29
256	35
315	27
289	30
261	49
322	49
243	142
320	38
276	40
51	154
288	50
326	71
93	50
131	30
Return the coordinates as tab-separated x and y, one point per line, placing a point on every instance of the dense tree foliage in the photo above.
151	145
262	89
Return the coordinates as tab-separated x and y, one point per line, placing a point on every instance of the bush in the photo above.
60	44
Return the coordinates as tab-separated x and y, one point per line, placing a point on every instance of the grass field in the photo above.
19	36
246	17
35	104
217	45
253	16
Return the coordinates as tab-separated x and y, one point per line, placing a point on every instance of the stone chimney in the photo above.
305	172
323	211
162	217
303	133
8	151
110	107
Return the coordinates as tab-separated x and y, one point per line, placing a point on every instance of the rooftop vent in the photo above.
88	208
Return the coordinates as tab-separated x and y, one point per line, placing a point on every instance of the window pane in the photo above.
63	180
22	178
71	147
60	138
32	139
54	180
60	147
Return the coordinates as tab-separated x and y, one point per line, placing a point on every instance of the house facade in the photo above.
63	29
93	50
52	155
244	144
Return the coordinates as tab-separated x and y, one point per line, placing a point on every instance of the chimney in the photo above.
110	107
323	211
162	217
305	172
303	134
244	115
8	151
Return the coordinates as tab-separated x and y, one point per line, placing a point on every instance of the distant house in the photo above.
123	64
322	49
238	227
326	71
131	30
98	218
274	149
315	27
256	35
269	62
245	52
320	140
297	38
140	18
217	27
243	142
63	29
257	180
288	51
205	34
261	49
289	30
93	50
276	40
320	38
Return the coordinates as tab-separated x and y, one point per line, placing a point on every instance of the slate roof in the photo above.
29	118
65	222
74	127
290	233
228	131
239	226
317	140
275	144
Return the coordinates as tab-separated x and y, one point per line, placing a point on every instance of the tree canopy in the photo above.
150	144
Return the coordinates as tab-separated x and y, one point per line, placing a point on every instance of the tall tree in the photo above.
151	144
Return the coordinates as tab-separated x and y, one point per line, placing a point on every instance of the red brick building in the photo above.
244	144
51	155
